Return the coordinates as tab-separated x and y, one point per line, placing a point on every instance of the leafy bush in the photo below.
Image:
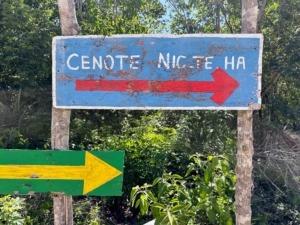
274	205
146	139
87	211
205	194
39	209
10	210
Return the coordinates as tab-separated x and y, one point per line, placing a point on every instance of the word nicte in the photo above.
109	62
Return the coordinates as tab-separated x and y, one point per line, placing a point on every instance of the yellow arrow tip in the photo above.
97	173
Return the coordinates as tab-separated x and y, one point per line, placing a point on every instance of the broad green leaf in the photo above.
233	179
211	215
174	200
203	192
156	180
210	157
133	195
173	187
176	176
157	205
208	173
206	176
224	167
162	219
144	204
178	208
190	169
183	219
229	222
162	187
150	194
171	218
219	186
155	211
137	203
214	162
190	213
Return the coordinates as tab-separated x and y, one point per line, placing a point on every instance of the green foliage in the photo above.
280	27
11	121
26	35
272	206
12	114
87	212
146	141
206	131
38	209
205	194
26	31
154	141
30	210
10	210
119	17
188	17
11	139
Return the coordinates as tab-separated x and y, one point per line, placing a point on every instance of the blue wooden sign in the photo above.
158	71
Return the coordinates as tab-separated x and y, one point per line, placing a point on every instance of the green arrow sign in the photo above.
70	172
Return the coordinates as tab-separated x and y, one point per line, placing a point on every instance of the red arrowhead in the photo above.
223	86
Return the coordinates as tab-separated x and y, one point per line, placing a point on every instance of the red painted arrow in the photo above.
222	86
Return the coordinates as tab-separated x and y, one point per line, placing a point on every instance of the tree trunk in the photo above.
249	16
62	205
245	152
68	20
244	168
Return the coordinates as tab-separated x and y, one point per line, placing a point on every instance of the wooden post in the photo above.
62	205
245	152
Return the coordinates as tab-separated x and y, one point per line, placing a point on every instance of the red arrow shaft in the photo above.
222	86
146	86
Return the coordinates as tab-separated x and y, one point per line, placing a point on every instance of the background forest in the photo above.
171	157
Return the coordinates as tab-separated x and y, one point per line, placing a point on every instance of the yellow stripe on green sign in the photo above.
94	173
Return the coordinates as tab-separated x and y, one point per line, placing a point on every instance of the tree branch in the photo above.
261	15
274	80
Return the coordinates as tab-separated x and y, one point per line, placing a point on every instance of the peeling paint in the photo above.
64	78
